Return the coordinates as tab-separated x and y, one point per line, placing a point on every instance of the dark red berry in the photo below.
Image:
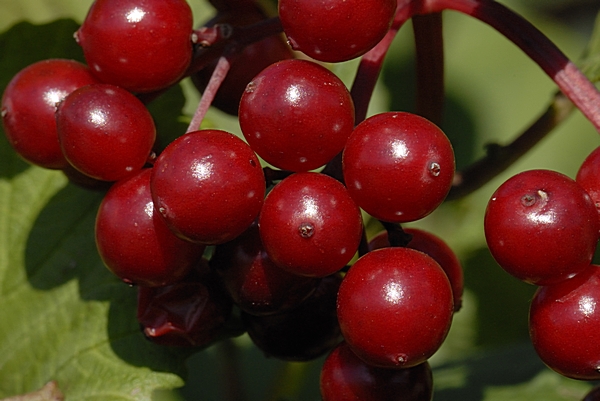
296	115
208	185
140	45
395	307
435	247
133	240
252	59
303	333
309	225
346	377
335	30
541	227
29	103
588	176
255	283
593	394
105	132
398	166
564	324
191	312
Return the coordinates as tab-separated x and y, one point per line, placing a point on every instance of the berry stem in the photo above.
396	235
372	62
232	387
217	77
499	158
571	81
237	37
429	46
210	35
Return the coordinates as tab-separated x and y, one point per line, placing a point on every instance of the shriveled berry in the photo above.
189	313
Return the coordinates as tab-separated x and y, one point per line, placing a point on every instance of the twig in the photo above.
429	46
499	158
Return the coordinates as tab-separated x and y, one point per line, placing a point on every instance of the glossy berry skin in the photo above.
438	249
303	333
564	324
29	103
395	307
189	313
398	166
541	227
208	185
309	225
296	115
140	45
588	176
252	59
335	30
133	240
255	283
105	132
346	377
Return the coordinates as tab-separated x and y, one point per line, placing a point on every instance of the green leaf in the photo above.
64	316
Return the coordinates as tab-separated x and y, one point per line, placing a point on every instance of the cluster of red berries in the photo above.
205	228
543	227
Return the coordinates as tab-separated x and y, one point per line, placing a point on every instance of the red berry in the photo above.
541	227
140	45
133	240
29	103
435	247
189	313
335	30
208	185
564	323
395	307
105	132
255	283
303	333
588	176
346	377
296	115
398	166
309	225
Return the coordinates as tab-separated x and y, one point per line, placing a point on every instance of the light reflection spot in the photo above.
393	292
135	15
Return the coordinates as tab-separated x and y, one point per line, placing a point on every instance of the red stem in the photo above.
429	46
217	77
372	62
571	81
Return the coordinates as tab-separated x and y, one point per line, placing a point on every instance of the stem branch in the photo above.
429	46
